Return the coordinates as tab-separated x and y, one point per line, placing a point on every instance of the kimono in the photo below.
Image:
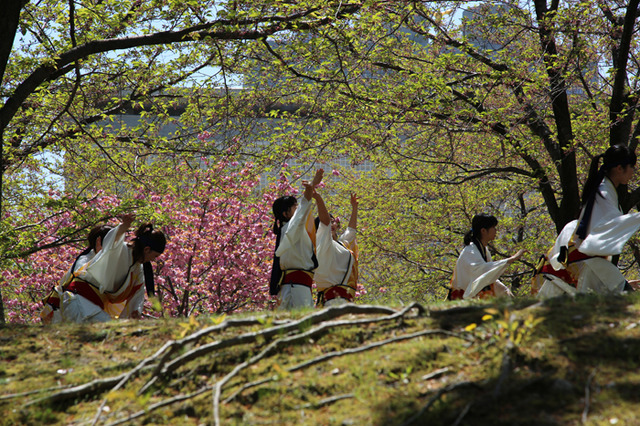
297	259
576	265
337	274
51	311
109	286
476	277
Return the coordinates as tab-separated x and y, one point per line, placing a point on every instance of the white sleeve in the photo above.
348	236
109	268
295	226
324	243
473	273
608	238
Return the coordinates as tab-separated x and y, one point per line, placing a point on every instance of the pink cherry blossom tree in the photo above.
219	251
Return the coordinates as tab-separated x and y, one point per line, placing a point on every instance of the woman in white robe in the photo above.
51	312
580	260
294	259
112	284
337	274
476	274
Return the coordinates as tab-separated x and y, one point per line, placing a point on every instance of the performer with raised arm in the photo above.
294	259
337	274
51	311
476	274
112	284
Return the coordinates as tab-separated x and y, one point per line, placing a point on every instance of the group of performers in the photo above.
580	259
108	279
309	251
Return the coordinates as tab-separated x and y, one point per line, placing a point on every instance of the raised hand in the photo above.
354	200
318	177
127	219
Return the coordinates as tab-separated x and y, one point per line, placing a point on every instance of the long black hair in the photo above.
616	155
146	236
479	222
280	207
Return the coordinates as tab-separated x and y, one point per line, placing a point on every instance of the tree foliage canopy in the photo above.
460	108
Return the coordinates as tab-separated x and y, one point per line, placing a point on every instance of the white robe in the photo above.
112	271
334	259
473	273
607	233
296	248
48	314
295	252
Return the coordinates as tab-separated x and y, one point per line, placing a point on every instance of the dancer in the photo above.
294	259
112	284
337	274
580	260
476	274
51	311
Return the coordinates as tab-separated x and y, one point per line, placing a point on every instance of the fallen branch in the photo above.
18	395
587	397
94	386
166	402
117	382
269	333
435	374
464	412
335	354
505	369
370	346
281	342
326	401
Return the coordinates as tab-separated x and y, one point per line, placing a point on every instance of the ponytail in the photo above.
616	155
479	222
146	236
594	179
468	238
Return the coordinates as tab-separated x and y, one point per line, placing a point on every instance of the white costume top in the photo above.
473	273
334	259
112	271
79	263
608	229
607	233
296	248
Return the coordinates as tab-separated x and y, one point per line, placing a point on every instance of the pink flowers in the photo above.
219	250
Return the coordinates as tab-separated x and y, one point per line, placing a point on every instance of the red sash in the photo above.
457	293
573	256
298	276
337	291
87	291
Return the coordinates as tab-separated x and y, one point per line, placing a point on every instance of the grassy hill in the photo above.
562	362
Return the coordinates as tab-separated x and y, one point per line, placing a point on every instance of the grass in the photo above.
567	361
